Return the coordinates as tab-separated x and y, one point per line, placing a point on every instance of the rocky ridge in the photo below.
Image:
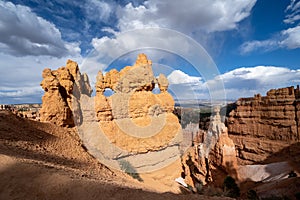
262	125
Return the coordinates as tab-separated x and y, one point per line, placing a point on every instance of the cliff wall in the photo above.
263	125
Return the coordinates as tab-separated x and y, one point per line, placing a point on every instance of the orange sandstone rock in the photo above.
62	86
132	103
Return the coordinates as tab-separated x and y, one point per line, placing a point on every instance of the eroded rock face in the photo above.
134	104
263	125
141	132
62	87
213	155
133	130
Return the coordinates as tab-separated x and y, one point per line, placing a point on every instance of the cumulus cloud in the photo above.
98	11
240	82
252	80
186	16
24	33
20	77
157	43
179	77
183	16
20	95
291	38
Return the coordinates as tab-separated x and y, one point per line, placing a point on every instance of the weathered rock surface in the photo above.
212	157
136	130
133	130
134	107
263	125
62	86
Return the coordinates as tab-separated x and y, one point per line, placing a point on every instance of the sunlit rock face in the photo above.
62	86
139	124
133	130
134	105
213	155
263	125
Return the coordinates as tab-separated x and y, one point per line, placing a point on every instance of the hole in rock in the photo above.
156	90
108	92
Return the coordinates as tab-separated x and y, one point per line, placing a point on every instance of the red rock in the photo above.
262	125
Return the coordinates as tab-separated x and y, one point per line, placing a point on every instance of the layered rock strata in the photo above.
62	88
144	135
133	129
126	117
263	125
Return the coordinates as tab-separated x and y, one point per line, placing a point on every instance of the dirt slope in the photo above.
43	161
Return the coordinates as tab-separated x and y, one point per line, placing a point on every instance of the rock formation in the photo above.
62	87
133	129
263	125
139	132
212	155
134	104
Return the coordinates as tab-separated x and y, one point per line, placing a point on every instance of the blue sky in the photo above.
255	45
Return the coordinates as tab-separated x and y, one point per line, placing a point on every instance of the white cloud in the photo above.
157	43
98	11
292	19
240	82
291	5
21	92
292	38
24	33
186	16
28	44
183	86
127	41
179	77
244	81
287	39
20	77
265	45
293	13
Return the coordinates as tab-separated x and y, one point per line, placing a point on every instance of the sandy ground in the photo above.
43	161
